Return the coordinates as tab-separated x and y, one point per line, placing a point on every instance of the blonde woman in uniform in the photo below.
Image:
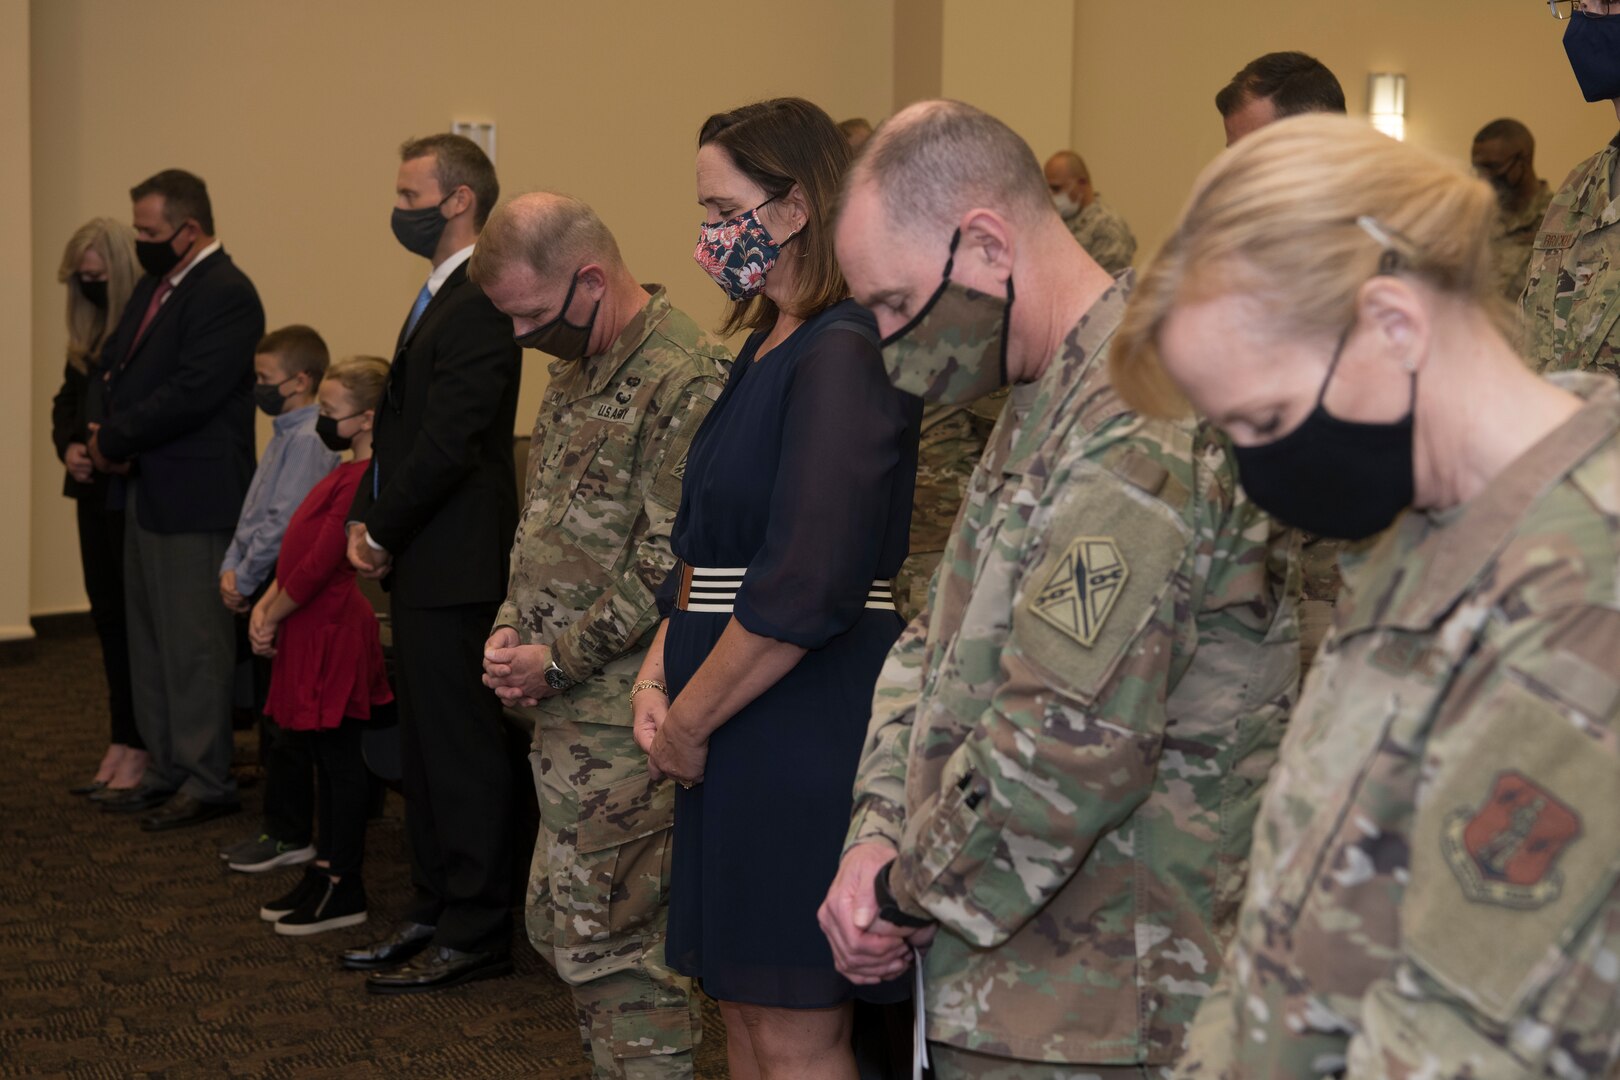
1433	885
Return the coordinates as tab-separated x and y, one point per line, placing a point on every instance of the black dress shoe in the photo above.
87	789
438	969
183	810
131	800
406	941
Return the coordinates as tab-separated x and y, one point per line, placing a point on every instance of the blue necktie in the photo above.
417	308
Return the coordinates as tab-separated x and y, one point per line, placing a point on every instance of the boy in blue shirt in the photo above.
289	364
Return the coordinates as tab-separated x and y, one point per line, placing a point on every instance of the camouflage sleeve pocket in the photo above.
1109	555
1514	853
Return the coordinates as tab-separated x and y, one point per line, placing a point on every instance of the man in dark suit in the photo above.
434	520
178	430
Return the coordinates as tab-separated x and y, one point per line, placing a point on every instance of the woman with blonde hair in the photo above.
1435	878
99	270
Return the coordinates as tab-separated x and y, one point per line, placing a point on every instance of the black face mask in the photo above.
269	398
559	337
326	428
418	231
158	257
93	291
1337	478
1593	48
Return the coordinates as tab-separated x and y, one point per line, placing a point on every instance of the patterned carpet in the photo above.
127	954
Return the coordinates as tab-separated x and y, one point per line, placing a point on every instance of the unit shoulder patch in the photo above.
1082	589
1505	851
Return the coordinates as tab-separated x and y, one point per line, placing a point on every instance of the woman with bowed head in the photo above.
1434	886
794	515
99	270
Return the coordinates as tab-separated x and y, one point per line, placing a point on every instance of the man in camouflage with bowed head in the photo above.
1067	748
632	380
1095	225
1571	302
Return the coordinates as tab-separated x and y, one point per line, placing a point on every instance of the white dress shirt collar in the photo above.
446	268
179	275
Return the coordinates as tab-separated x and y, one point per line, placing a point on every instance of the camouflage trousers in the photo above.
954	1063
598	898
911	583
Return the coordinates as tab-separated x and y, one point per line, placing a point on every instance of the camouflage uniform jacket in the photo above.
1104	235
1572	299
1433	890
1067	748
605	467
1513	240
952	441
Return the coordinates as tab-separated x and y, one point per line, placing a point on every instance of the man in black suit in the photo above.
434	520
178	429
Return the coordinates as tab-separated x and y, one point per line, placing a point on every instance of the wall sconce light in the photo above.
481	132
1386	103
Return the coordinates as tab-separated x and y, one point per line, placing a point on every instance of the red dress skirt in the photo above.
329	660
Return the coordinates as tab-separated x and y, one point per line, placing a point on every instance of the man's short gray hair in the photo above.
936	160
554	235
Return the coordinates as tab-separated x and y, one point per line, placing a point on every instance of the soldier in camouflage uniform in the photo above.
953	439
1067	748
1096	226
1571	304
633	380
1504	155
1435	881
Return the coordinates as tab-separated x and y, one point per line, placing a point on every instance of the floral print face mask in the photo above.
738	252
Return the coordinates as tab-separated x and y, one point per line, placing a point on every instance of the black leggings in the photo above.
101	554
342	794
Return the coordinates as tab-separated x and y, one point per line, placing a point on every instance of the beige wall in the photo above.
20	420
1144	90
293	112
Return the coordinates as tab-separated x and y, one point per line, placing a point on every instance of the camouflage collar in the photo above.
1596	199
1452	556
1074	375
576	379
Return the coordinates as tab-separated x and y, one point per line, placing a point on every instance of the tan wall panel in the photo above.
1145	80
21	425
293	112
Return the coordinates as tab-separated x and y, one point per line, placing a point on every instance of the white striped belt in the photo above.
714	591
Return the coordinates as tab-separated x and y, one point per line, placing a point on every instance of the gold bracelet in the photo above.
647	684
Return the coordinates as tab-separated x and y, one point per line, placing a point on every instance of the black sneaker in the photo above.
339	904
268	853
312	883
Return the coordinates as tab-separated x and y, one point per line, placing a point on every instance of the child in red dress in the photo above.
328	670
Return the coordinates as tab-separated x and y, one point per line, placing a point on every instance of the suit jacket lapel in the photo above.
187	282
456	278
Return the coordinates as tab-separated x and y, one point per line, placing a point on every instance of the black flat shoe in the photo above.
88	789
440	969
130	800
406	941
183	810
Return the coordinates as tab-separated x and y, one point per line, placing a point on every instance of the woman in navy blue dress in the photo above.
794	514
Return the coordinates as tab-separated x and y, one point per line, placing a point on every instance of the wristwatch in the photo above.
888	910
556	678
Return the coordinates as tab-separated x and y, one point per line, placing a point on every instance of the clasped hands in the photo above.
368	562
262	629
516	672
99	460
670	750
866	949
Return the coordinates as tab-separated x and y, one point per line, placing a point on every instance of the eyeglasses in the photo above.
1565	9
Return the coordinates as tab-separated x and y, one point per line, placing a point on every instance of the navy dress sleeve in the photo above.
843	432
